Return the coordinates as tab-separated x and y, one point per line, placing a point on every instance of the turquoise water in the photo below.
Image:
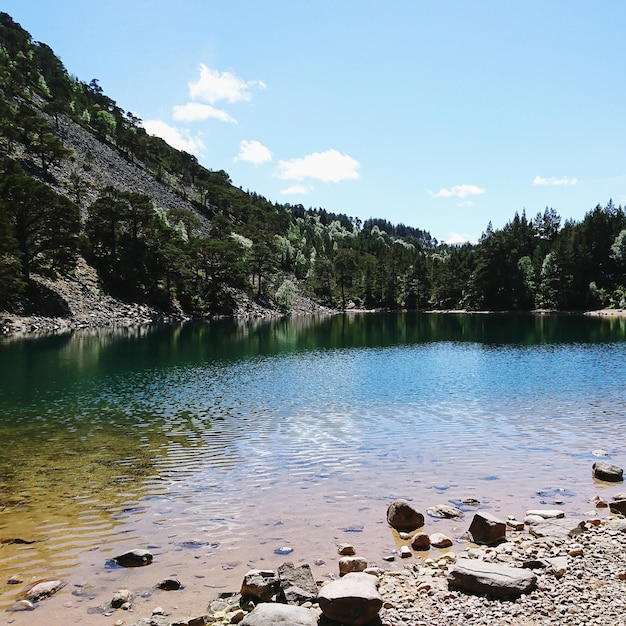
249	435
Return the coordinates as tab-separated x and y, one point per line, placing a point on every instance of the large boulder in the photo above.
297	584
619	506
260	584
403	517
490	579
270	614
557	529
487	529
352	600
602	470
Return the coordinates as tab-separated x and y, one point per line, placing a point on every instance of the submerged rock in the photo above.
41	589
133	558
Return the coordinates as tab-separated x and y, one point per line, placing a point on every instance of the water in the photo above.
217	444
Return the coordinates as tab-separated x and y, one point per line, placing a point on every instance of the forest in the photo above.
228	240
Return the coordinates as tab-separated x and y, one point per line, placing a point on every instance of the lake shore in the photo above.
579	574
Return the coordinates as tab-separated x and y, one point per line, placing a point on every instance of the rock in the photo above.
345	549
557	529
420	542
170	584
599	453
546	513
619	506
619	496
270	614
351	564
262	585
133	558
618	525
602	470
558	565
439	540
21	605
487	529
531	520
405	552
353	599
515	524
599	501
444	511
41	589
496	581
121	597
403	517
296	583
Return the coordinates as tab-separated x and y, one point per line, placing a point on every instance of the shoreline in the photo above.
121	315
579	570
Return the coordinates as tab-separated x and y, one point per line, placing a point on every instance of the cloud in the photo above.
179	139
563	181
253	152
213	86
458	191
296	190
196	112
330	167
456	239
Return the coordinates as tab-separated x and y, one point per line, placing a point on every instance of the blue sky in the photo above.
443	115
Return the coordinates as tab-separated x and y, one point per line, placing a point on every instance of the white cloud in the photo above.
213	86
296	190
179	139
456	239
563	181
196	111
253	152
330	167
458	191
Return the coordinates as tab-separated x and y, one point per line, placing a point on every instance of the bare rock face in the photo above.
352	600
487	529
260	584
602	470
270	614
403	517
495	581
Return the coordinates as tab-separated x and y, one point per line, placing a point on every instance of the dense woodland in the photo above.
229	240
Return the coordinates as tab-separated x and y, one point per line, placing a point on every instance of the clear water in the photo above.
230	440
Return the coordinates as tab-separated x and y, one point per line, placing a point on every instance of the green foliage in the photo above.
43	224
285	294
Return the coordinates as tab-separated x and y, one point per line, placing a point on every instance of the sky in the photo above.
443	115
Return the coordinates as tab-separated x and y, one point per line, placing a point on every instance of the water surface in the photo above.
216	444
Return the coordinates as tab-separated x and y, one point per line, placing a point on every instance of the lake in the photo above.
215	445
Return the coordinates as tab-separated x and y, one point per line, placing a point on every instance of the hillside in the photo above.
94	210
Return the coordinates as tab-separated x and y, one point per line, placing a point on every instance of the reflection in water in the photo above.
238	432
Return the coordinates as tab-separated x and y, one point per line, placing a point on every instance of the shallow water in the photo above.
215	445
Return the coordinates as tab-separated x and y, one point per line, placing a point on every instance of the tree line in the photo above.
231	239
